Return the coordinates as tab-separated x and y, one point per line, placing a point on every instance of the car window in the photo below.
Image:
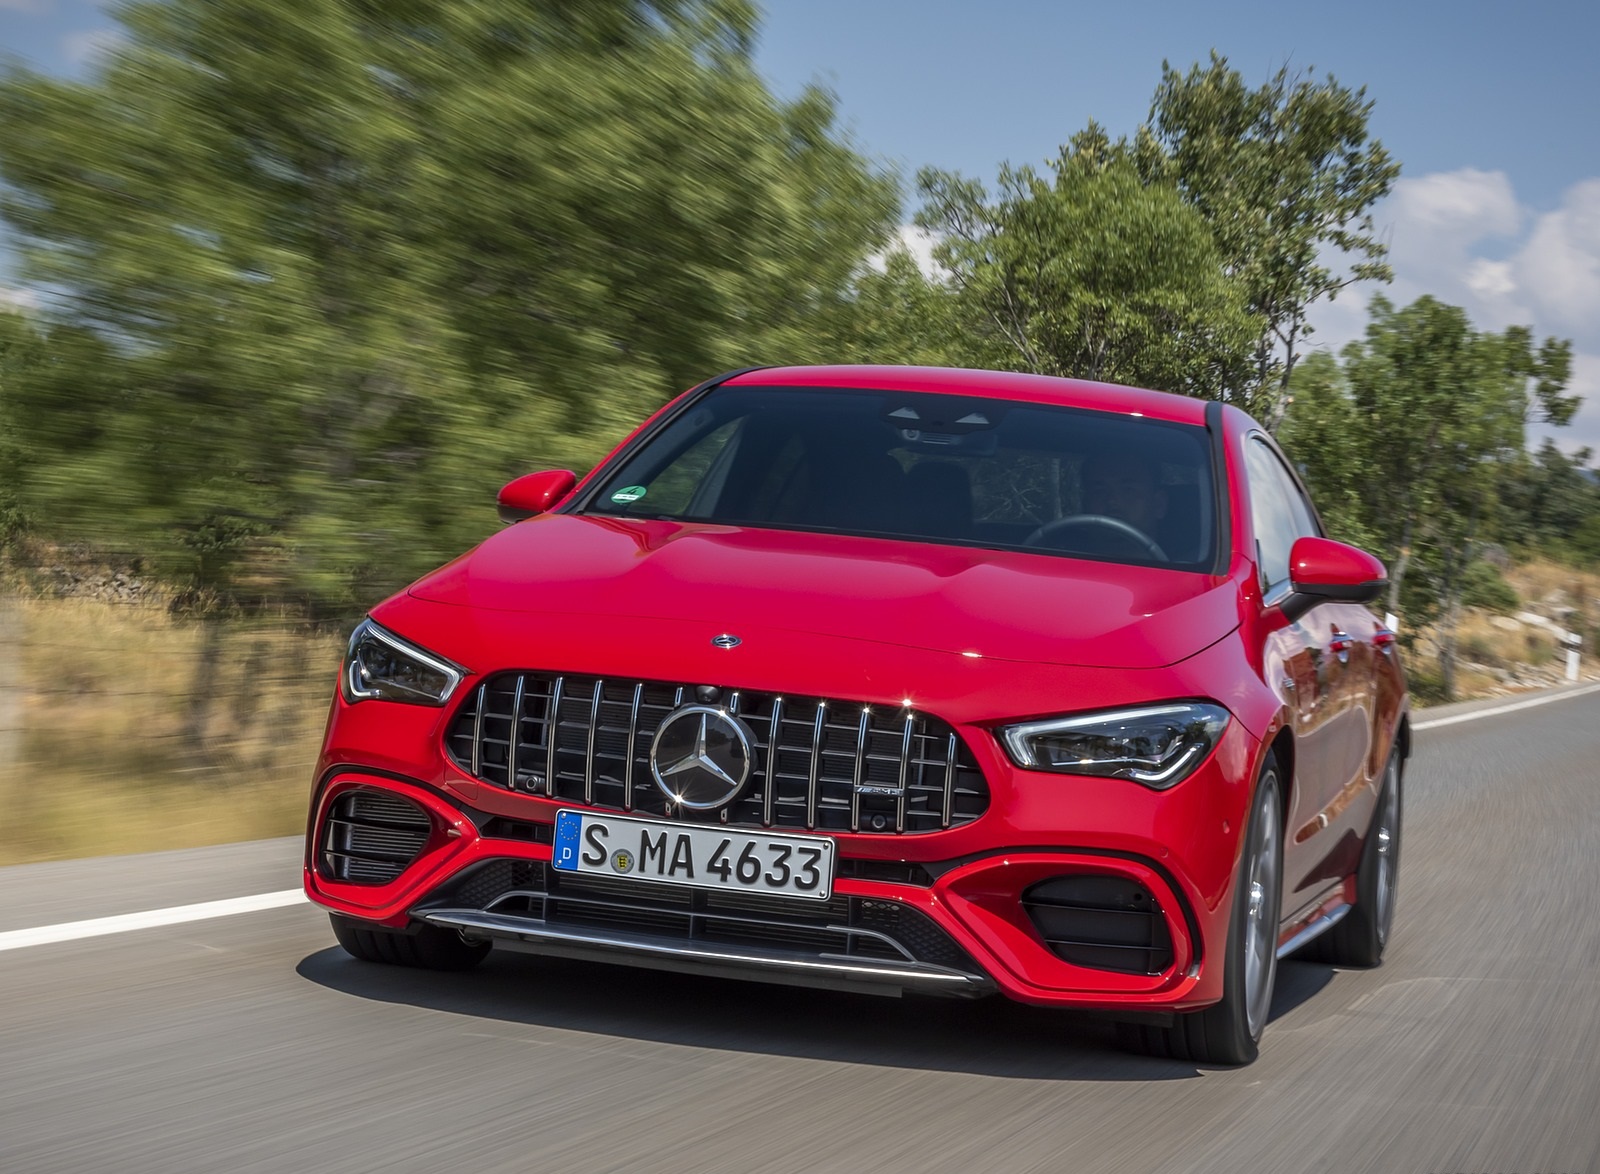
941	468
1279	511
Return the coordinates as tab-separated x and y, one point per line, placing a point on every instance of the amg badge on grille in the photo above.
701	757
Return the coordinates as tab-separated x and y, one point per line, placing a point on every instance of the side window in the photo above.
1281	514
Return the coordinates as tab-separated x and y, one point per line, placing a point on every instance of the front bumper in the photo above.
966	930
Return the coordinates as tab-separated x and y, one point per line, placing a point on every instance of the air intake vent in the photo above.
841	927
821	764
1102	922
370	836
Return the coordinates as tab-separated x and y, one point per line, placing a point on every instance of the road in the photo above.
251	1043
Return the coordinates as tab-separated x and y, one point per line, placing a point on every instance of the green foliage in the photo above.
1286	177
330	272
20	348
1552	504
1413	441
1483	586
1092	273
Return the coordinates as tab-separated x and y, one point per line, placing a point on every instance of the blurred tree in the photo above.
20	347
1325	437
328	271
1286	178
899	315
1092	273
1547	497
1415	438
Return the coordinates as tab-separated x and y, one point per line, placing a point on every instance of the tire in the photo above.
426	947
1229	1032
1362	934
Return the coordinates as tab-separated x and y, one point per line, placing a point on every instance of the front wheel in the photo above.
1229	1032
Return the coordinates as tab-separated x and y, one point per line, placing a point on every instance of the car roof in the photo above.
1012	385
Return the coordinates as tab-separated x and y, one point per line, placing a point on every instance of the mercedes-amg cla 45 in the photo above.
896	680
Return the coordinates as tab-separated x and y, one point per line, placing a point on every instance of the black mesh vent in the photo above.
840	927
829	765
369	836
1102	922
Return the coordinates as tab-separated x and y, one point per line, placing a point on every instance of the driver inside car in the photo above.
1125	488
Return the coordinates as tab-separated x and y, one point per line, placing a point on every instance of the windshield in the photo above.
930	468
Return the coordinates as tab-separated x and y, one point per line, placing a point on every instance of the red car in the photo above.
888	679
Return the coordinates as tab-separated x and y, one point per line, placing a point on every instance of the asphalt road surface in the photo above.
251	1043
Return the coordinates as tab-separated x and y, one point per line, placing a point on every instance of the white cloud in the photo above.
919	243
1454	205
1558	270
1464	237
84	47
1437	223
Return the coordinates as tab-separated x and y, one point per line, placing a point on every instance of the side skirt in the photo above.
1320	925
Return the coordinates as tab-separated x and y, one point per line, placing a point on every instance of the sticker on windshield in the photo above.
629	494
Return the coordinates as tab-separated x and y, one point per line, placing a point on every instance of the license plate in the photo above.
700	857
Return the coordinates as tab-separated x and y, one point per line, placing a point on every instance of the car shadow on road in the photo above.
990	1037
1298	982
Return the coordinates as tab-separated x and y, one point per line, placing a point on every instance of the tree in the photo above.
1092	273
1547	497
346	266
1285	176
1431	417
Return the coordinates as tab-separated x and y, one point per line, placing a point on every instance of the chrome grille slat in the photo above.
770	792
477	728
594	728
552	731
820	763
816	763
633	739
515	734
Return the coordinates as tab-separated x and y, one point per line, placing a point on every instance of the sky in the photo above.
1493	111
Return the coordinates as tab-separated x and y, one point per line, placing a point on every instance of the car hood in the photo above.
960	600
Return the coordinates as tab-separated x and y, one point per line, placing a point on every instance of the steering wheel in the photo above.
1078	521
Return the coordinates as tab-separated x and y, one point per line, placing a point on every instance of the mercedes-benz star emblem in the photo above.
701	757
726	640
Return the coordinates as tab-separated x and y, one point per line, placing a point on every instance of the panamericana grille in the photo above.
822	764
370	837
1103	922
852	927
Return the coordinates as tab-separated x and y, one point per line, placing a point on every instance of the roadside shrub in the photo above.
1483	586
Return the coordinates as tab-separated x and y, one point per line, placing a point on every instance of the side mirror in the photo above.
535	493
1321	569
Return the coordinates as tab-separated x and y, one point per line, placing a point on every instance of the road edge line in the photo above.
1494	711
70	931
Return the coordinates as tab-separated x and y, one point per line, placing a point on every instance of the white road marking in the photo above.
17	939
1499	709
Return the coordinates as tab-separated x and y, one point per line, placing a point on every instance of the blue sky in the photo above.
1493	111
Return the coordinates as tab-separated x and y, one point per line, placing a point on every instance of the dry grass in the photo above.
96	760
1498	655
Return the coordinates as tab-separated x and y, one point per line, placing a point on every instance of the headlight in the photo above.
1157	745
379	666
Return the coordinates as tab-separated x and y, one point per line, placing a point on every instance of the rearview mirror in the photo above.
1322	570
535	493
